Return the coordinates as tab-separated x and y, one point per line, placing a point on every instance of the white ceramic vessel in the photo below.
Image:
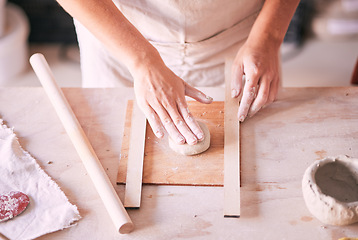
330	190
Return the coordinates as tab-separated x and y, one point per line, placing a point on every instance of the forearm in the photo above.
272	23
110	26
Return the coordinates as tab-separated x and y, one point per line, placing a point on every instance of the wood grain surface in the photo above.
277	146
164	166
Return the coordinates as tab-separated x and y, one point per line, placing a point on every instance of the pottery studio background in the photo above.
317	50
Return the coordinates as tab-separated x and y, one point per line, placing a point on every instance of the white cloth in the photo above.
193	37
49	209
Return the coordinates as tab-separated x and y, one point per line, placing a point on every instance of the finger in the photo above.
248	95
274	90
167	123
262	96
197	95
154	121
237	77
179	122
190	120
173	132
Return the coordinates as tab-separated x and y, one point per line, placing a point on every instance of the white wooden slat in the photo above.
133	189
231	151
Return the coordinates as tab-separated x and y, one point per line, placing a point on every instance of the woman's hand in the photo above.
161	96
258	58
255	74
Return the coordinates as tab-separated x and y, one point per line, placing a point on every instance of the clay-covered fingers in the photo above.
263	91
180	122
248	94
154	122
167	122
168	117
259	63
275	84
184	110
237	77
161	96
190	120
171	129
267	92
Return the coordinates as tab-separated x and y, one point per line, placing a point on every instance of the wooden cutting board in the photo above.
163	166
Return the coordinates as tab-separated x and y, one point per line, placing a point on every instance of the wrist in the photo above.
266	39
144	59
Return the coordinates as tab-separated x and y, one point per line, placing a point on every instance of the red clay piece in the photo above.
12	204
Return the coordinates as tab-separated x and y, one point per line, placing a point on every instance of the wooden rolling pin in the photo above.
84	149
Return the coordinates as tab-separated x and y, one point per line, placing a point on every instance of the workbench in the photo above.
277	145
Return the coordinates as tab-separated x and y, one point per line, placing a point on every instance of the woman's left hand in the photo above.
257	65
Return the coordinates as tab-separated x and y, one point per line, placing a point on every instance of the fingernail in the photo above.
200	136
241	118
209	98
181	139
192	141
233	93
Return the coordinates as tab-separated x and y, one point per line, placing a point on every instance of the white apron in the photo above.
192	36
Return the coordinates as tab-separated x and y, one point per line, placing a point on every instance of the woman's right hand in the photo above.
161	95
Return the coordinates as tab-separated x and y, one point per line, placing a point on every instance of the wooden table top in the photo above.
278	144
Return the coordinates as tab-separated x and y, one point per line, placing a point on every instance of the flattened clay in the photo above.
330	190
186	149
12	204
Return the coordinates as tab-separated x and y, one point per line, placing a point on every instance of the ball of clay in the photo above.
186	149
330	190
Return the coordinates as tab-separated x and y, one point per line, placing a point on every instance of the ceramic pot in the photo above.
330	190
